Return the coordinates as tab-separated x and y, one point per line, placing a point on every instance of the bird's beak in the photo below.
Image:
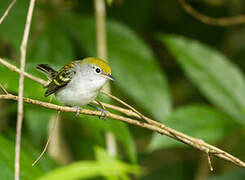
110	77
107	76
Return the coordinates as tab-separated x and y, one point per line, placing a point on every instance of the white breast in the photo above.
82	89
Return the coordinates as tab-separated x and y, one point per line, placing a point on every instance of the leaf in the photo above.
106	166
27	172
134	66
217	78
77	170
112	167
199	121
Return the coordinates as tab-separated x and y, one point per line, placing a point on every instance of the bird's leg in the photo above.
77	110
99	109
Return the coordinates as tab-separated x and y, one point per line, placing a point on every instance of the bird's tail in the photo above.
47	70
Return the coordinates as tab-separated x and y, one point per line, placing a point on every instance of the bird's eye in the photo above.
98	70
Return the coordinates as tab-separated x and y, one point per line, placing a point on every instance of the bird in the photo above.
77	83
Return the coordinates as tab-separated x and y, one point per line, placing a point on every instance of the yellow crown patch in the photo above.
98	62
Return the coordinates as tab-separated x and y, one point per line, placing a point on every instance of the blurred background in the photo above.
167	64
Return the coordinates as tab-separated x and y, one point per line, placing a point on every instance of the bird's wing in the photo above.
62	78
47	70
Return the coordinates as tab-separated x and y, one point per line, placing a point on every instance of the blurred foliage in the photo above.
192	82
106	166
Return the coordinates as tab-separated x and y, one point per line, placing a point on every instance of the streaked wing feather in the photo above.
47	70
62	78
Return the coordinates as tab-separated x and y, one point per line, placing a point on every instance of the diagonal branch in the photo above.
49	138
3	88
152	125
193	142
7	11
15	69
224	21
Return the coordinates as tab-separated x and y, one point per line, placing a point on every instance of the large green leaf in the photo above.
27	172
217	78
105	166
199	121
134	66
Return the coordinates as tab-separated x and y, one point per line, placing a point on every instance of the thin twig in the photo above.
224	21
21	89
210	162
7	11
125	104
49	138
3	88
194	142
160	128
15	69
100	19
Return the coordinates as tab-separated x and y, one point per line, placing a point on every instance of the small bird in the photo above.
77	83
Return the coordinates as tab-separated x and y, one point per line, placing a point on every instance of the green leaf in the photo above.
217	78
105	166
134	66
77	170
199	121
27	172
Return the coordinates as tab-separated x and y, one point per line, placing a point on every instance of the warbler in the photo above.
77	83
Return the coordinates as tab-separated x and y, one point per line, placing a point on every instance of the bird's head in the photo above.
98	67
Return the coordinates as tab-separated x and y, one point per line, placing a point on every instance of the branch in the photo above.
49	138
21	90
194	142
7	11
3	88
154	126
15	69
225	21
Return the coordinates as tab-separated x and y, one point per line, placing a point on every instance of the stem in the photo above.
223	21
7	11
21	89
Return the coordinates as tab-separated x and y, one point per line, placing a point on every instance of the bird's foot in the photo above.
103	112
78	108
